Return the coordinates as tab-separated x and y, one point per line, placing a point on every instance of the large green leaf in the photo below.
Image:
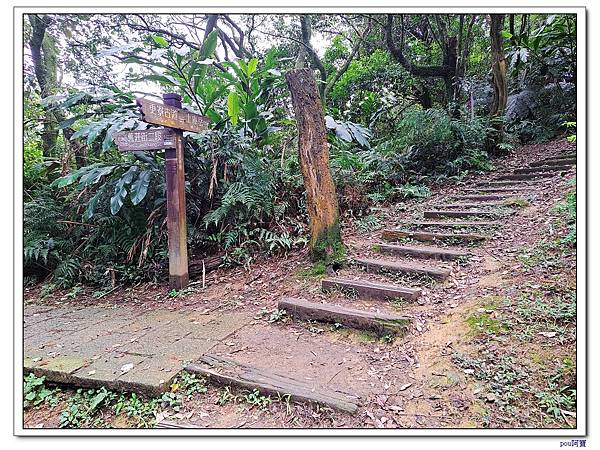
209	45
233	107
120	192
252	64
91	206
140	187
160	41
94	175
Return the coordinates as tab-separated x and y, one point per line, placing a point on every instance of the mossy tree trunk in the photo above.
45	56
499	83
323	213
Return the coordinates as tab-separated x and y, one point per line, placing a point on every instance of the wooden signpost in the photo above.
169	114
152	139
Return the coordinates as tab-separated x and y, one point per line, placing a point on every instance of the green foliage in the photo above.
104	222
83	406
255	398
368	223
35	392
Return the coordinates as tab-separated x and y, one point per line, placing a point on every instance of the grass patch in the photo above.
517	202
317	270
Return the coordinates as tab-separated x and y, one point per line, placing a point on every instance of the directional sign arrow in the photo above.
151	139
170	116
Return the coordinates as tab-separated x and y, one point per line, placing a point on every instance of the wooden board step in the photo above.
228	372
454	224
543	169
369	290
378	322
467	205
386	266
424	236
481	197
499	190
528	176
554	162
436	214
424	252
517	183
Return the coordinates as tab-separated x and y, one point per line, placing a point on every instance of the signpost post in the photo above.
176	215
172	115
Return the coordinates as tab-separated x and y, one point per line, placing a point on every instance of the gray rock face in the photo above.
520	106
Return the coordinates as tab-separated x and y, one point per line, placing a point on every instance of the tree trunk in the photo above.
498	66
44	77
326	242
44	53
498	81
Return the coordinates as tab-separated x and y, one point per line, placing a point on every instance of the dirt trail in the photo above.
408	381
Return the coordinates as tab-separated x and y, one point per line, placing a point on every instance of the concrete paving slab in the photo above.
89	347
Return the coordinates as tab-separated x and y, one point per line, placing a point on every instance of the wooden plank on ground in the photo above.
481	197
542	169
397	235
518	183
402	267
370	290
500	190
454	224
225	371
169	424
378	322
425	252
554	162
467	205
436	214
528	176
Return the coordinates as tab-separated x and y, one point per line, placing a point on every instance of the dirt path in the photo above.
463	362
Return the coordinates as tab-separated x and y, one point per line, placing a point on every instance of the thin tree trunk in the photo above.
44	54
323	213
44	79
498	81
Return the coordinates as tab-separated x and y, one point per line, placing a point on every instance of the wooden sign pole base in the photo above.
176	214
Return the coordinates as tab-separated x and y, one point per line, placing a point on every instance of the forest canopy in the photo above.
408	100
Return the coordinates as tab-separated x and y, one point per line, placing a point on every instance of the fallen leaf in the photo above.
126	367
405	386
548	334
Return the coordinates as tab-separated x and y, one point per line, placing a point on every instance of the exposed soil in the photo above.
424	379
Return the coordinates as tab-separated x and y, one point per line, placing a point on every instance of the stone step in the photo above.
499	190
554	162
227	372
482	197
386	266
378	322
370	290
527	176
455	224
436	214
423	252
542	169
397	235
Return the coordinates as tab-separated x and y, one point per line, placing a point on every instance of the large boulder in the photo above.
520	106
